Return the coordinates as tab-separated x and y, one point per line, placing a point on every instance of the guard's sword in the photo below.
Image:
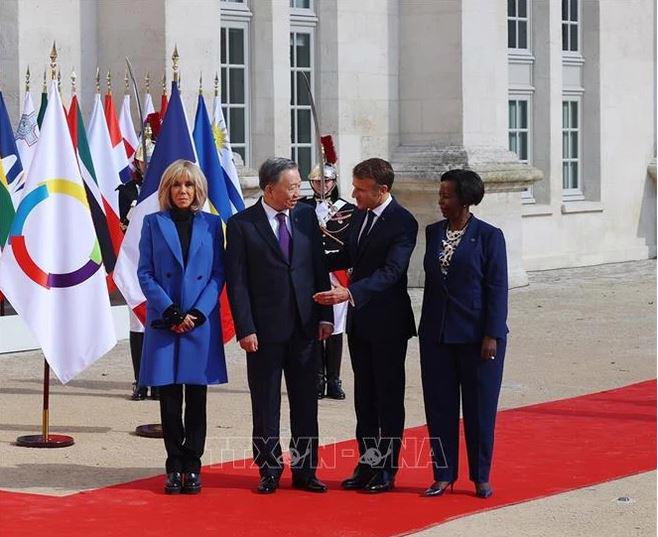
314	113
141	116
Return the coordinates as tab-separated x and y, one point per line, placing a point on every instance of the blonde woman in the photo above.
181	273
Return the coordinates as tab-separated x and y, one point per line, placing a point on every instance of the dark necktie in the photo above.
284	236
369	218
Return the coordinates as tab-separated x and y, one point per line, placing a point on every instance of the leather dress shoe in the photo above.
483	490
310	484
358	480
174	483
191	483
335	389
381	482
268	484
438	488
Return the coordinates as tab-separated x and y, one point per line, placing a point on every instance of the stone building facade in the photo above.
552	101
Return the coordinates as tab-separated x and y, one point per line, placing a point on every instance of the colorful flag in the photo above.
51	269
148	106
42	106
107	176
27	135
173	143
10	171
163	105
226	156
127	128
118	149
208	159
92	190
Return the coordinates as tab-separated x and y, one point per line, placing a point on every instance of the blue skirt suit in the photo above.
458	310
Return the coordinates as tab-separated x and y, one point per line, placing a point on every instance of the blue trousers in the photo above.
447	371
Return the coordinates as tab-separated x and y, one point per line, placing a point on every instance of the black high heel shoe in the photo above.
483	490
438	488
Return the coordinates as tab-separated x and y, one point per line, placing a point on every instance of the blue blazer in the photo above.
471	301
378	282
196	357
267	292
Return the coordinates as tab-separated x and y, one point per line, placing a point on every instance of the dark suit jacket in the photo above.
268	295
471	301
378	283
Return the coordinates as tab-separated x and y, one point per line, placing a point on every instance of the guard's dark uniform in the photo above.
334	218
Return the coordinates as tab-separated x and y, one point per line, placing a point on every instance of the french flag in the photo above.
173	143
119	157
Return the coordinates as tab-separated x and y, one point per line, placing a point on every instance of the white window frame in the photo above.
573	193
569	22
527	195
303	11
303	21
528	20
238	15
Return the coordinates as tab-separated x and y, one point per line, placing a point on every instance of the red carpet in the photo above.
541	450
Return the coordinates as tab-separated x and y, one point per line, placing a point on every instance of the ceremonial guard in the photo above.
128	194
334	215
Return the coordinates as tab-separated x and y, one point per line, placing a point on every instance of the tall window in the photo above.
517	24
570	24
234	85
301	124
571	150
519	128
300	4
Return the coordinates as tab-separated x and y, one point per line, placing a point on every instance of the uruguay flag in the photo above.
173	143
218	194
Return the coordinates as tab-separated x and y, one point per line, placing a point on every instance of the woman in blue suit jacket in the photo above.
181	273
462	332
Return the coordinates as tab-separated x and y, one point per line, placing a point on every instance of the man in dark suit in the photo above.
380	320
274	265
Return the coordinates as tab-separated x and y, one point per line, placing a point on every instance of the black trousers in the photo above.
379	380
329	355
447	369
184	437
294	358
136	343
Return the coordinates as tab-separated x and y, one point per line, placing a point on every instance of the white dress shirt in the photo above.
272	219
377	211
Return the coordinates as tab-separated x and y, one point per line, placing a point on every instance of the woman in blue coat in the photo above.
181	273
462	332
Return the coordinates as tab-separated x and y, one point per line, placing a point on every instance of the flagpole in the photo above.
45	439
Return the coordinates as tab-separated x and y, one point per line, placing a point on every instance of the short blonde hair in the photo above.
189	170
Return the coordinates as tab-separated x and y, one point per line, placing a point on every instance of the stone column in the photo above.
271	80
357	100
28	29
453	114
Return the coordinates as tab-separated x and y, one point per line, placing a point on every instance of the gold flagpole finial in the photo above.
164	84
174	58
98	79
53	62
147	81
59	80
126	90
201	83
73	80
27	80
109	82
216	84
44	89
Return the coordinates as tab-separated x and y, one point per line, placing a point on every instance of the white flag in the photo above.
27	136
51	269
130	139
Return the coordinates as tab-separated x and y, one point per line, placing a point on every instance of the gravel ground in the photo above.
572	332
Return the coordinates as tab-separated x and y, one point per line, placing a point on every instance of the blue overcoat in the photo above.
195	357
